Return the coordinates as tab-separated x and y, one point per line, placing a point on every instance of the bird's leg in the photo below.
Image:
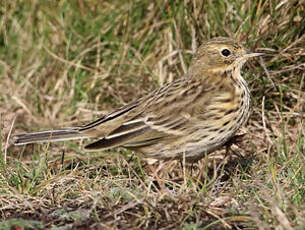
154	171
190	164
130	158
236	139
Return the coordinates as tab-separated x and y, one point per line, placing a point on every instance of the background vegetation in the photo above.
68	62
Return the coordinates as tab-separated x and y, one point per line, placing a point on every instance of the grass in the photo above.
68	62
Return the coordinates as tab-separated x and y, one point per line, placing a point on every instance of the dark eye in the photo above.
225	52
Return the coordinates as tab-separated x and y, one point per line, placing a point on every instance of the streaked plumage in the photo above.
193	115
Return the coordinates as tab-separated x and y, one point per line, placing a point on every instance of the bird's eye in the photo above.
225	52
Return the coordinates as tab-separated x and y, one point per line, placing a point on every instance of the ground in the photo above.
68	62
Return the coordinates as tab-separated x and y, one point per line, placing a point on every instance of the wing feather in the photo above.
163	114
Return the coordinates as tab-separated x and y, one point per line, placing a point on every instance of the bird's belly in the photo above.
191	150
201	142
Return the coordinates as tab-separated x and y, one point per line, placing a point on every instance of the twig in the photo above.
262	63
7	139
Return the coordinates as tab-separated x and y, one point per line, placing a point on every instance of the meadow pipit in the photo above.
189	117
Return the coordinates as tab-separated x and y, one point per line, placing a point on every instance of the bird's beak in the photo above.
250	54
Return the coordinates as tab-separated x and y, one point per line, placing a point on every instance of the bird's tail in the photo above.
49	136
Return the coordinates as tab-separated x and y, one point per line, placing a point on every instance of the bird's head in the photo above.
219	55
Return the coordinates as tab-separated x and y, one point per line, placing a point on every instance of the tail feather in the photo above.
49	136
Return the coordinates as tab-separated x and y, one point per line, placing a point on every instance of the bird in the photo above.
185	119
